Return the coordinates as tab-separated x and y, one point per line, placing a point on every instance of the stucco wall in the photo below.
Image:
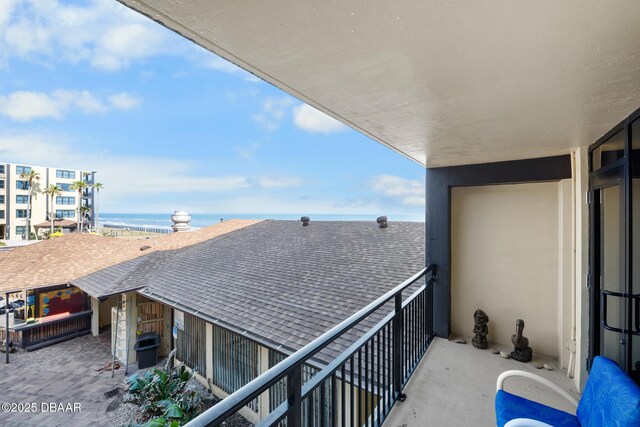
506	247
105	310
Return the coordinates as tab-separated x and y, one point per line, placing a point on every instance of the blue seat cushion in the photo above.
510	406
610	398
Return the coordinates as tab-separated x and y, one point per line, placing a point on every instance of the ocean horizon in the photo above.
163	220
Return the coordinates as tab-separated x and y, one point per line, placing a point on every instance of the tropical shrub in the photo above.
161	395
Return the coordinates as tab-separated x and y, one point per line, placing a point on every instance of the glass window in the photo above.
1	199
65	213
609	151
22	185
635	240
21	213
23	170
22	199
21	230
63	186
65	174
1	183
1	215
635	148
1	168
64	200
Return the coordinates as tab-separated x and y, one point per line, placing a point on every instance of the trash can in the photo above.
147	349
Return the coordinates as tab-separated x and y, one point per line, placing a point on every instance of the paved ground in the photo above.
64	373
455	385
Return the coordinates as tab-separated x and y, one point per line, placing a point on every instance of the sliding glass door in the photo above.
615	246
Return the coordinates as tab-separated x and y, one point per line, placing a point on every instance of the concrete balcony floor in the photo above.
455	385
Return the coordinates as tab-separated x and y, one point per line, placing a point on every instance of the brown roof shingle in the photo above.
63	259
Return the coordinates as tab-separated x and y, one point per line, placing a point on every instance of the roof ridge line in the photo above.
140	264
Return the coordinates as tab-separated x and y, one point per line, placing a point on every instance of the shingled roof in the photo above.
279	282
64	259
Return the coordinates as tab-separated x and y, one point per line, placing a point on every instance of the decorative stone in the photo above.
521	351
460	341
548	367
505	355
537	365
480	330
494	350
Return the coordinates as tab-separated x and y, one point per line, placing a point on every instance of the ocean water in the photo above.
202	220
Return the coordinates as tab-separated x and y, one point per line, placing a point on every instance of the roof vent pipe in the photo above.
382	221
305	221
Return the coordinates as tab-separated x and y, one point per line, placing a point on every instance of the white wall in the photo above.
509	256
105	310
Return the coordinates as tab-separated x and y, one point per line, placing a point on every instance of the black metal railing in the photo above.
359	386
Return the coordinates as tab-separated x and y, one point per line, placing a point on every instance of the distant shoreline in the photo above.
163	221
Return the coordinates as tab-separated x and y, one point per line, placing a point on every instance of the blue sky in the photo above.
168	125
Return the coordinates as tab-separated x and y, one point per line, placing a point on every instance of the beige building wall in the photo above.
511	256
3	201
105	307
38	208
41	204
53	179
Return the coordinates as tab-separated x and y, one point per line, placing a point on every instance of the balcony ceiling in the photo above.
443	82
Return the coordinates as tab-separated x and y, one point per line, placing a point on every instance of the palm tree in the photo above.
97	186
85	211
32	177
52	190
79	186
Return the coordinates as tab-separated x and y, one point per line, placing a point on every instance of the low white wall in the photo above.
509	258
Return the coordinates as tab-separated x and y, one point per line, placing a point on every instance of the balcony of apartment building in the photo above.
523	117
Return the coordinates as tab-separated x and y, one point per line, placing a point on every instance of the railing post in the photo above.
398	345
294	396
6	330
429	313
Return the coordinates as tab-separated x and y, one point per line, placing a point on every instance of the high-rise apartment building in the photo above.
14	197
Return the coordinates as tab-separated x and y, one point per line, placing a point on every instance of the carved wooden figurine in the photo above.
521	350
480	329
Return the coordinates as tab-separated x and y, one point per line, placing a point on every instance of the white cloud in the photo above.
105	34
214	62
414	201
407	191
129	179
27	105
120	45
274	111
124	101
83	100
309	119
279	181
247	152
6	8
117	171
24	106
282	203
